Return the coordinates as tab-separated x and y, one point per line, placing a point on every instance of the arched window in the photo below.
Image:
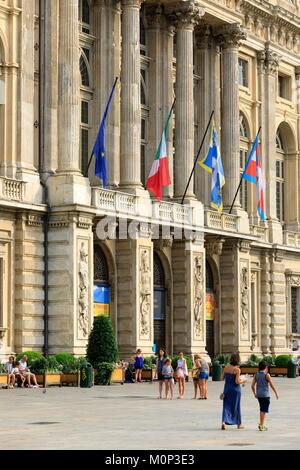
158	274
244	153
144	94
86	96
101	275
209	278
280	158
84	72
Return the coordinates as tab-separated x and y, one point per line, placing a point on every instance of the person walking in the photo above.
159	371
203	376
232	394
139	365
182	373
260	387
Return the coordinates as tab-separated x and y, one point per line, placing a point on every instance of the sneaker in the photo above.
36	386
262	428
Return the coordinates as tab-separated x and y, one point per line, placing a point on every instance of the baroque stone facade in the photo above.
176	275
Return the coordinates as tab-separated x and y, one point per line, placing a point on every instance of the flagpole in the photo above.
198	155
241	180
91	157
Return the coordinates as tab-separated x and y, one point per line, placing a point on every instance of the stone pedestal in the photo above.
135	296
70	281
189	330
235	297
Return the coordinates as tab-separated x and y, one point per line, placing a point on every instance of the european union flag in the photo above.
213	164
99	147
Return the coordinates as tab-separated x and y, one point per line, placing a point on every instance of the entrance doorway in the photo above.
159	304
210	311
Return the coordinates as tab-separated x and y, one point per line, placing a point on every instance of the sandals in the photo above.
223	428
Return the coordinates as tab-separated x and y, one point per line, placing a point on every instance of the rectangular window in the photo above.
143	164
243	73
84	112
295	310
84	149
284	87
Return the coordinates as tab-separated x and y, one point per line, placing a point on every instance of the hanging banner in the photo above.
210	306
101	301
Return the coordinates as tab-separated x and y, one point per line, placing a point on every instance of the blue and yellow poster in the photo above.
101	301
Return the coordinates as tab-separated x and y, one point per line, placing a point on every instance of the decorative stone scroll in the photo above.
244	293
198	295
231	35
184	13
83	294
145	292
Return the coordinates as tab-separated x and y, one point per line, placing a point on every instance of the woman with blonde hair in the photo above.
203	378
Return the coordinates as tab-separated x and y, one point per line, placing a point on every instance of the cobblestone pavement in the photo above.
130	417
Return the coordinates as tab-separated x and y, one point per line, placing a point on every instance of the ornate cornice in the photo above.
230	35
184	13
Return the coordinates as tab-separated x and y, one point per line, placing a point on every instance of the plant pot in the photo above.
70	378
250	370
148	374
278	371
49	378
118	375
3	379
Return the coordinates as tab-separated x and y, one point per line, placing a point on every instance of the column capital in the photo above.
203	36
107	3
231	35
154	16
131	3
272	61
184	14
297	72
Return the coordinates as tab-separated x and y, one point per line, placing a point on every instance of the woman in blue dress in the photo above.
232	393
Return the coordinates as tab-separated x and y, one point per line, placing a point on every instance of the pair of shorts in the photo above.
264	404
138	368
196	379
160	376
203	376
167	377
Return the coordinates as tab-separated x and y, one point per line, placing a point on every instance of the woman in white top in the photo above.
27	374
182	373
9	367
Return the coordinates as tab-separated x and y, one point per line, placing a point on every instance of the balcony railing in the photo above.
172	212
222	221
12	190
291	239
114	201
259	232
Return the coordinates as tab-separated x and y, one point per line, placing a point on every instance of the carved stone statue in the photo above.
83	298
198	295
145	293
244	300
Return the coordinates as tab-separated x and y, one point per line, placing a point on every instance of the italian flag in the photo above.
159	174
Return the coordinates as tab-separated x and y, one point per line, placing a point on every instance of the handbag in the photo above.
222	396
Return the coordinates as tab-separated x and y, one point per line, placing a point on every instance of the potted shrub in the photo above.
102	348
148	372
251	366
118	374
47	371
70	368
281	365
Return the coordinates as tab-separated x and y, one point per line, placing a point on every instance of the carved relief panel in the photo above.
145	275
198	297
244	301
83	290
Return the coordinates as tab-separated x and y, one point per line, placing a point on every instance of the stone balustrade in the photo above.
172	212
259	232
114	201
12	190
221	221
291	238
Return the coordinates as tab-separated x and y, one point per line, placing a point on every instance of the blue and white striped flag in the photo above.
213	164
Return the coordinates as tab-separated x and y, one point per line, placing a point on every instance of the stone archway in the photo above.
160	310
102	288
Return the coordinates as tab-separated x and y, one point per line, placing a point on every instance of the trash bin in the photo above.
291	370
216	371
86	376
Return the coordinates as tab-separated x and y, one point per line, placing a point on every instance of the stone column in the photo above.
230	37
204	102
278	340
265	302
69	86
130	96
107	58
271	63
184	15
50	88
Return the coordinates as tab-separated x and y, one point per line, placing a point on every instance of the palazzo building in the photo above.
195	280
